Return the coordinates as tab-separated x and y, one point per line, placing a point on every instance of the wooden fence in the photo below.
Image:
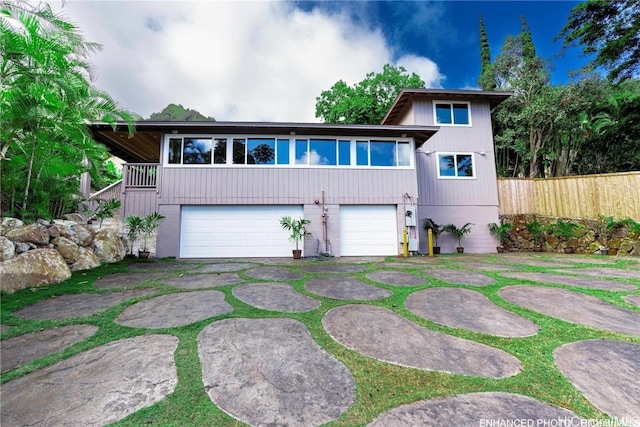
586	196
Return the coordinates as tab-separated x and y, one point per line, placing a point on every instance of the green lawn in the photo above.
380	386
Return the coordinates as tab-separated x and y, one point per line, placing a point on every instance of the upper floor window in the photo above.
452	113
455	165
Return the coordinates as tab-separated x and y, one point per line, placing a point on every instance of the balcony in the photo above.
140	175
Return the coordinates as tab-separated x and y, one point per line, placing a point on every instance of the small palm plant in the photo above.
133	224
458	233
501	231
298	232
566	230
149	224
537	229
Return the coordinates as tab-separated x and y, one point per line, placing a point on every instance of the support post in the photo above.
430	241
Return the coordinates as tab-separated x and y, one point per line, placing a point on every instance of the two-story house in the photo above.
223	186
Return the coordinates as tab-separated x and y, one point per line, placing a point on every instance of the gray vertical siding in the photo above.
168	236
140	202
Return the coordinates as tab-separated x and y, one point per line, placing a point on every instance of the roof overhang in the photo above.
406	95
144	145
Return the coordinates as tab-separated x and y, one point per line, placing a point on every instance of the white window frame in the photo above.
450	103
454	154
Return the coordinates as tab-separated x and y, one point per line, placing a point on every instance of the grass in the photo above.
380	386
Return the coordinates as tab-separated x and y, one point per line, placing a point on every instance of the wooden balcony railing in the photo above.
140	175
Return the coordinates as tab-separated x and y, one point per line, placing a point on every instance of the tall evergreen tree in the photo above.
487	76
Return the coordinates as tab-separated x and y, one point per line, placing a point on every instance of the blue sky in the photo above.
269	60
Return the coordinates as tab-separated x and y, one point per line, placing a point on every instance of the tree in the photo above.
368	101
487	79
611	30
45	103
177	113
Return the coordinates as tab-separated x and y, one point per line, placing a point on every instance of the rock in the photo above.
43	222
86	260
108	246
626	246
7	249
552	241
33	268
64	222
67	248
84	234
54	231
21	247
11	222
76	217
33	233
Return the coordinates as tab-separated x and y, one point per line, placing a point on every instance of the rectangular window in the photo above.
175	151
261	151
323	152
197	151
362	153
302	149
452	113
455	165
239	152
220	151
404	154
383	153
282	152
344	153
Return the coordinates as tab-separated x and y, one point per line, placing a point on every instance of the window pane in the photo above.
261	151
447	165
465	164
404	154
197	151
239	152
344	152
322	152
301	152
461	114
283	152
383	153
443	113
220	151
175	151
362	153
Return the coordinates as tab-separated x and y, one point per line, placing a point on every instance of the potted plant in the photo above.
536	228
298	232
148	226
566	230
133	224
458	233
436	230
502	232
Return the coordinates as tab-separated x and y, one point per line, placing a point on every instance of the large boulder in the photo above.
76	217
108	246
7	249
84	234
86	260
32	233
67	248
11	222
33	268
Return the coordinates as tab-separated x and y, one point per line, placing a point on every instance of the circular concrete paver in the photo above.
274	297
607	272
333	268
632	299
199	281
396	278
4	328
96	387
477	409
224	267
78	305
22	349
574	307
384	335
462	277
486	266
274	273
177	309
125	280
345	288
607	373
468	309
271	372
580	282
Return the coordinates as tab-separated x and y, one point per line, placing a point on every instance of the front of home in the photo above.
223	187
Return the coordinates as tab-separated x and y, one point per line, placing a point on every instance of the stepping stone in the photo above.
477	409
78	305
581	282
462	277
4	328
486	266
396	278
606	372
609	272
574	307
468	309
632	299
125	280
333	268
271	372
536	263
384	335
593	259
223	268
345	288
96	387
171	310
154	265
198	281
274	297
274	273
398	265
23	349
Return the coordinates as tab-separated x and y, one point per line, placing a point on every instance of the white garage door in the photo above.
235	231
368	230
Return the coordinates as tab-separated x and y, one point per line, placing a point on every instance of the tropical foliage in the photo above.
46	101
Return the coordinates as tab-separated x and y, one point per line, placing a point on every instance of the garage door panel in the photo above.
368	230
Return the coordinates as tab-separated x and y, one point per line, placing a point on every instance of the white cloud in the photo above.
249	61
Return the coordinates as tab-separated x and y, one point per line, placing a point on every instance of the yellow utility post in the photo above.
430	241
405	244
